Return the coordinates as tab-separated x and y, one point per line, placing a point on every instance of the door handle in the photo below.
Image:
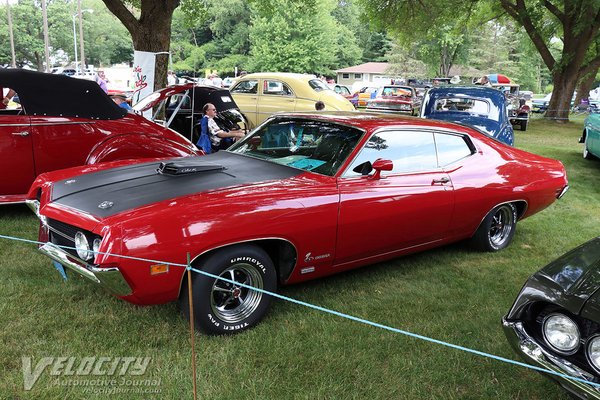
442	180
24	133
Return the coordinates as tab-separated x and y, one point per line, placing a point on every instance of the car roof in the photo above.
278	75
221	98
474	91
59	95
374	120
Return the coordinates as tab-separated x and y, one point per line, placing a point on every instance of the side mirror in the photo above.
381	165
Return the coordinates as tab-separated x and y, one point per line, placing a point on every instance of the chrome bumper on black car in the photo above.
110	278
527	347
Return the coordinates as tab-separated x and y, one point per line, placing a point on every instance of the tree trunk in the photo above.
151	32
580	21
584	87
38	61
560	103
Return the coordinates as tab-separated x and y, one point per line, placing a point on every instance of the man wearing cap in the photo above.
121	101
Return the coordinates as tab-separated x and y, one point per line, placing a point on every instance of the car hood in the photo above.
571	282
576	275
115	190
490	126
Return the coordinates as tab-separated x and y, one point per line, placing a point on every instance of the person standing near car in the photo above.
6	99
101	80
220	139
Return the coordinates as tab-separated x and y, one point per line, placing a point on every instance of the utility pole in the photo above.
81	37
46	41
12	39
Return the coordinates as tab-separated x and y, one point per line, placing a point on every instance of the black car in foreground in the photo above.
555	320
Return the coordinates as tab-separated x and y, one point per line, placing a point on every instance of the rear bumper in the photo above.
110	278
527	347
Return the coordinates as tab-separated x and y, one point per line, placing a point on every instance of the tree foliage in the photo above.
106	40
436	33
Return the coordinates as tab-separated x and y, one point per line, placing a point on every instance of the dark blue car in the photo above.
481	107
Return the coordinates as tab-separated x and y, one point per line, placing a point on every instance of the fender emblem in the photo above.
106	204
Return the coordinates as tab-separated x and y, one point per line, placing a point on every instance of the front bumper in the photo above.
527	347
109	278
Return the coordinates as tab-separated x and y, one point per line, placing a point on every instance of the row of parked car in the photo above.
302	196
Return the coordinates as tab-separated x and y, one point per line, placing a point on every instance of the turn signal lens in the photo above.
159	269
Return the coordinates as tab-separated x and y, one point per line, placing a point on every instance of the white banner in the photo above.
143	76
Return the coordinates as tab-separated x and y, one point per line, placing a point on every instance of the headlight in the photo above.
593	352
82	246
96	245
561	333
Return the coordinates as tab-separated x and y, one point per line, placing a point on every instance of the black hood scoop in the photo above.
192	166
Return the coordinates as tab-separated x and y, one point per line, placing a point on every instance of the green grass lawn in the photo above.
452	294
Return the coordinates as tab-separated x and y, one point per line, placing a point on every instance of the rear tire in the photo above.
222	307
497	229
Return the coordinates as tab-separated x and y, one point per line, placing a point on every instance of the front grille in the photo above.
62	234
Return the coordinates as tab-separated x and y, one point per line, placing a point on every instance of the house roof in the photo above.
366	68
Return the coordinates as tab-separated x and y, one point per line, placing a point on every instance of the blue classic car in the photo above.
591	136
478	106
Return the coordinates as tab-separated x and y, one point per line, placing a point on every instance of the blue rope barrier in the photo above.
336	313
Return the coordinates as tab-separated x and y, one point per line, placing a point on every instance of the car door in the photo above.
411	205
63	142
276	97
593	134
17	154
245	94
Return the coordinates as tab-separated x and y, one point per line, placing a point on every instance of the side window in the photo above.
277	88
410	151
174	101
451	148
249	86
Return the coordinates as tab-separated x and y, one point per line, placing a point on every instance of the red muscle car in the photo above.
302	197
64	122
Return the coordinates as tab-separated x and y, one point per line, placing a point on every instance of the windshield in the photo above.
396	91
462	104
316	146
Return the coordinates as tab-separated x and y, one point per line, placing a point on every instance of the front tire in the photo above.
497	229
222	307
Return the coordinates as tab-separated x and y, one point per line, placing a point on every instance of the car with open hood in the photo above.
64	122
516	103
305	195
554	322
260	95
481	107
179	107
